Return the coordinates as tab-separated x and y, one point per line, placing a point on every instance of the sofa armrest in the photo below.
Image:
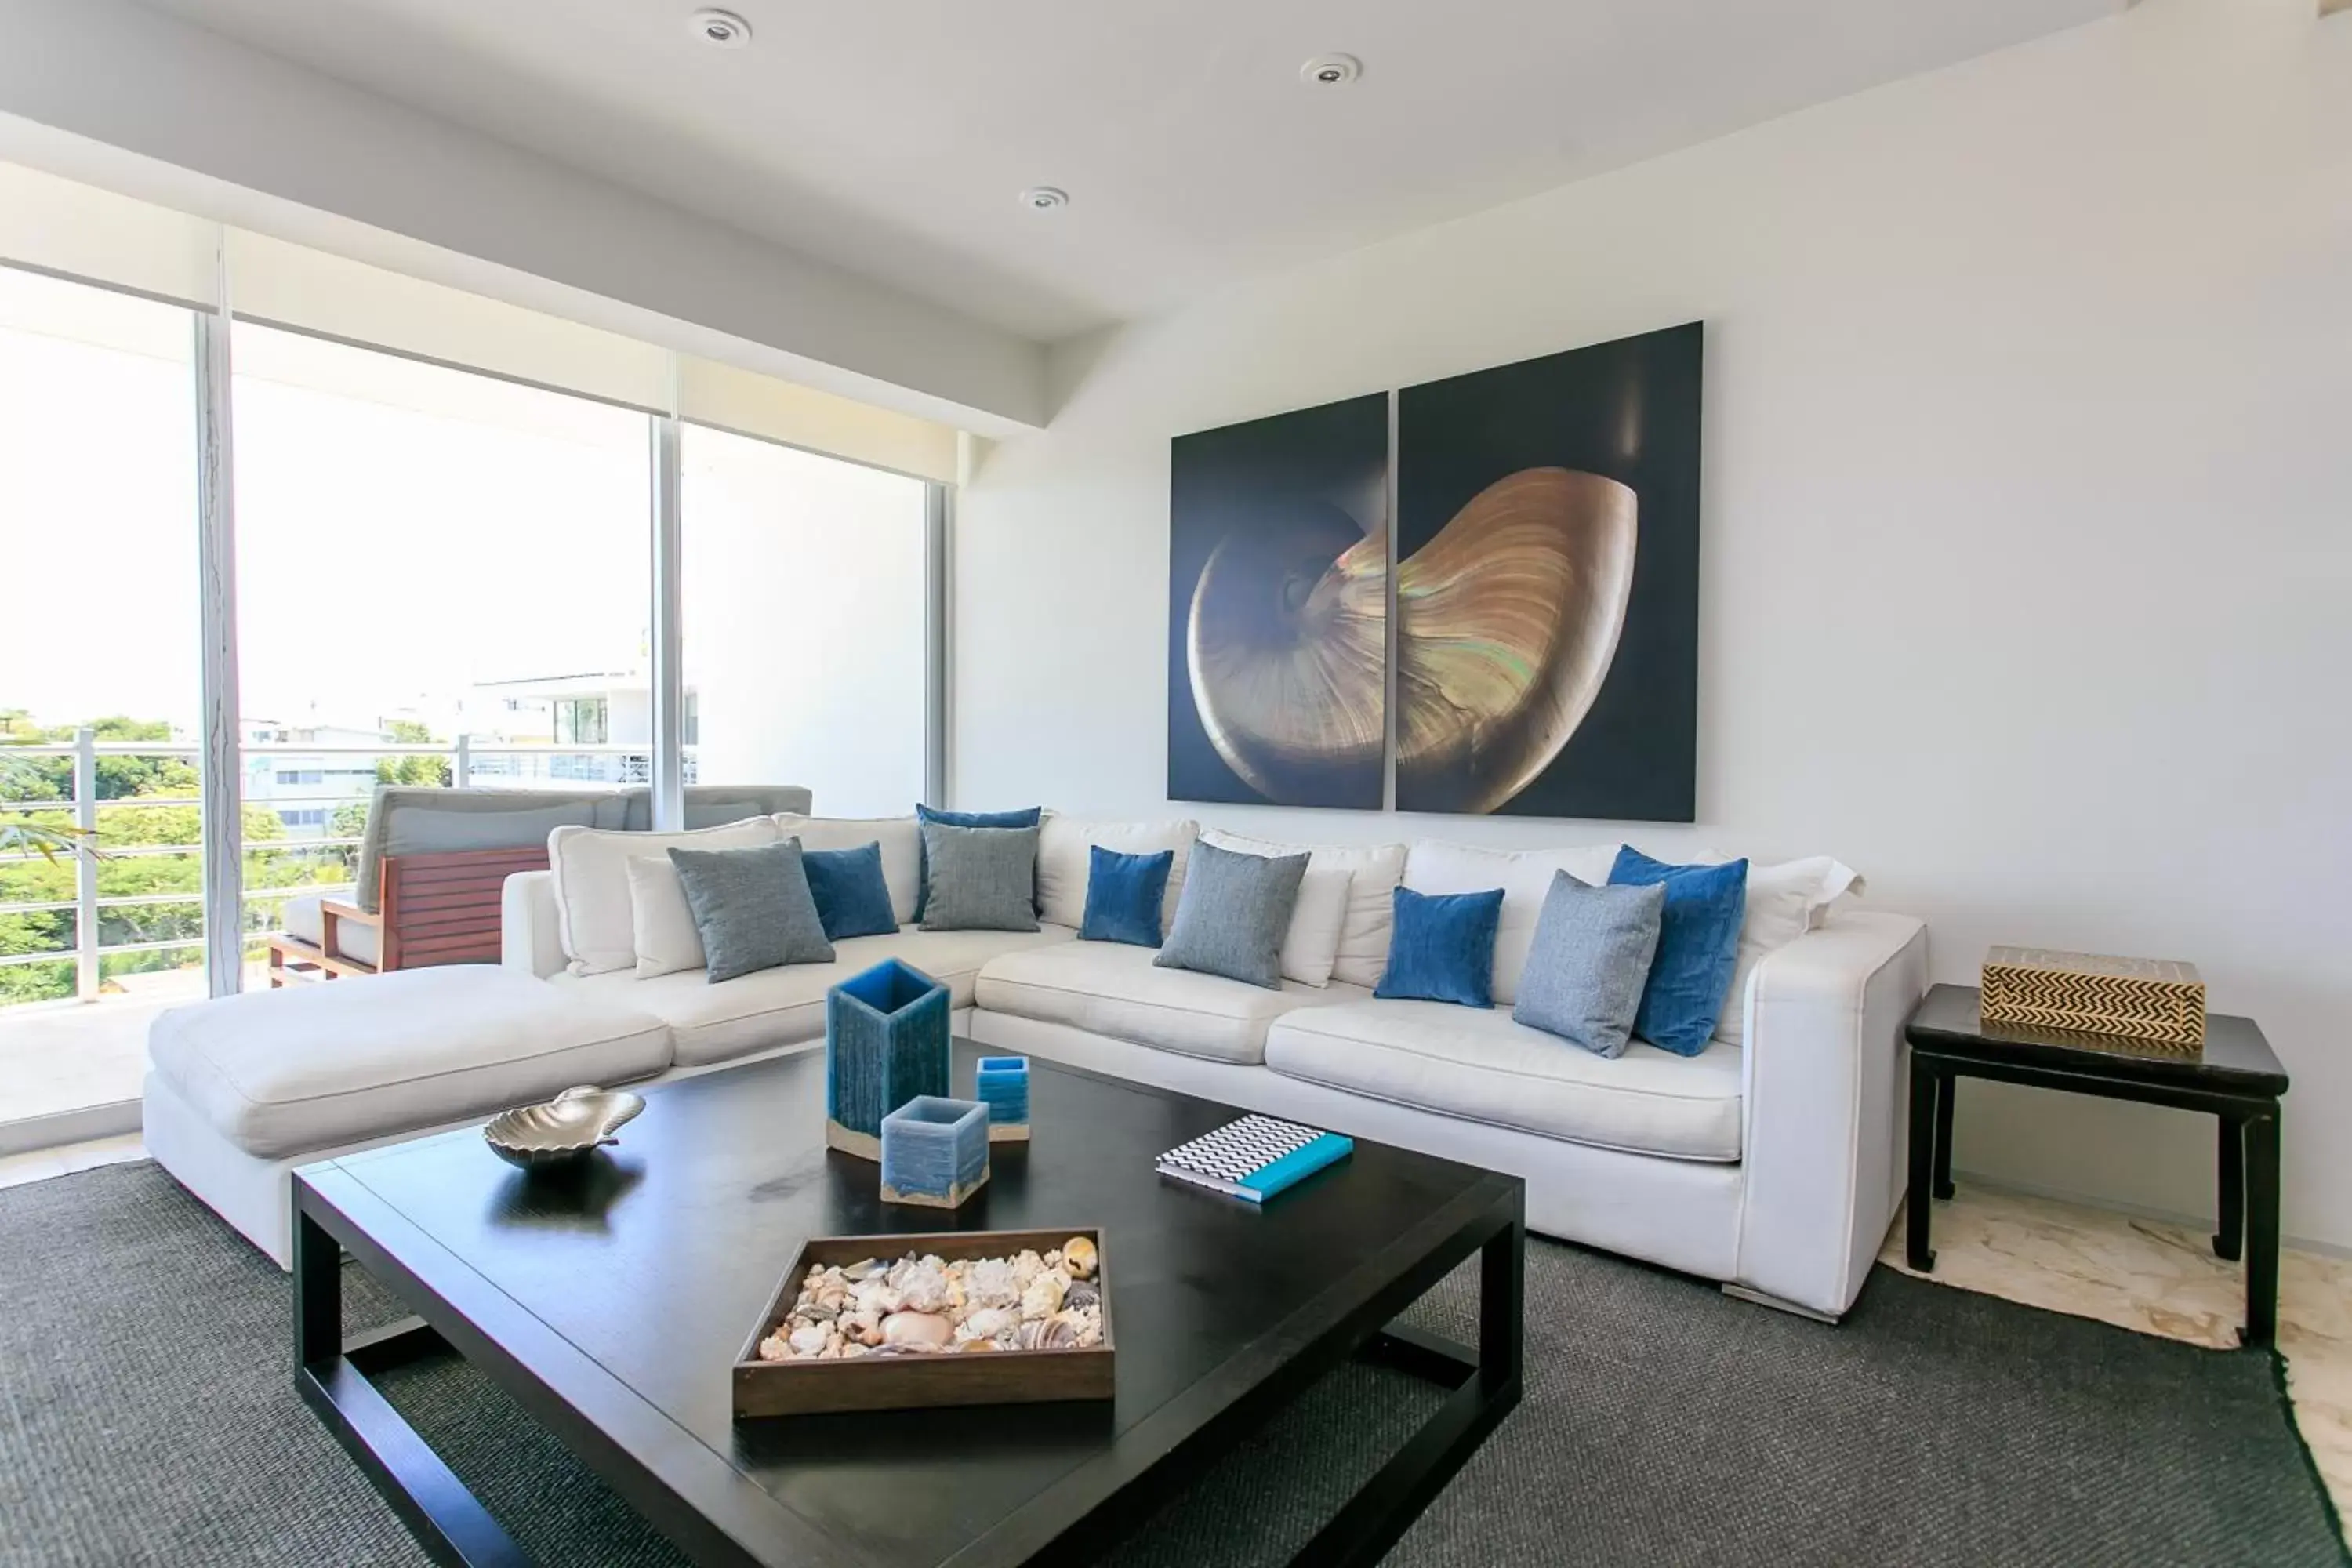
528	940
1823	1136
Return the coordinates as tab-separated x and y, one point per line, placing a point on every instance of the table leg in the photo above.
1924	1116
1946	1096
2229	1242
1485	1389
2261	1226
317	1293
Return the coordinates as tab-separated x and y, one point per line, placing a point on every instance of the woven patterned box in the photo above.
2149	999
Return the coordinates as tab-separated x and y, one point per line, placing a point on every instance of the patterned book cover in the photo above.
1254	1158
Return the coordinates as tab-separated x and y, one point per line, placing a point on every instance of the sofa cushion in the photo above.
752	907
1698	945
1373	869
1482	1067
896	835
925	815
1123	894
1234	915
661	922
607	808
1443	949
302	917
979	878
852	890
781	1007
592	911
421	830
1525	876
1594	949
1784	902
1111	989
1063	862
719	812
313	1066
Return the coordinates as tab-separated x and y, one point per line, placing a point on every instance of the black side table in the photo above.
2236	1077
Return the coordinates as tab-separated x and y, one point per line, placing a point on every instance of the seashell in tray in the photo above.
572	1125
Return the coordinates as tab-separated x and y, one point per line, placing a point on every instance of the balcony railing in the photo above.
473	762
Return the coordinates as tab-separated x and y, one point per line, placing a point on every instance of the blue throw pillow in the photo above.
1443	949
1698	947
852	897
1123	895
1028	818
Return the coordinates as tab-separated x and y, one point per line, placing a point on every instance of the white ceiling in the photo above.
891	137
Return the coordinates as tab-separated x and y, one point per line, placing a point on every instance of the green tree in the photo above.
411	770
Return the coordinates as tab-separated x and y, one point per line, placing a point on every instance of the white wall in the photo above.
2028	522
118	95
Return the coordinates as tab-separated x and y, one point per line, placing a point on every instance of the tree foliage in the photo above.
411	770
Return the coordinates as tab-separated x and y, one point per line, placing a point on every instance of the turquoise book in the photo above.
1254	1158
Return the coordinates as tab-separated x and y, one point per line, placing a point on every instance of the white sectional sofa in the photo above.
1773	1165
1772	1161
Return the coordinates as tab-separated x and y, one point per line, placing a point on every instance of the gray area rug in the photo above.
147	1415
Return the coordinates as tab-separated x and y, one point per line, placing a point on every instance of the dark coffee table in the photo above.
612	1303
2235	1077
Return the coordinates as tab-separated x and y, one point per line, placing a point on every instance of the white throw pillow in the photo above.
1312	943
1373	871
593	916
1063	863
1784	902
899	837
661	921
1525	876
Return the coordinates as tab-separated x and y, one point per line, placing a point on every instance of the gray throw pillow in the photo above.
752	907
1232	915
981	878
1589	962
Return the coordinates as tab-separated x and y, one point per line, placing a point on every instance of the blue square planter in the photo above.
1001	1084
934	1151
885	1042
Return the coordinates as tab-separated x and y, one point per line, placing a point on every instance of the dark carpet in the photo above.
147	1415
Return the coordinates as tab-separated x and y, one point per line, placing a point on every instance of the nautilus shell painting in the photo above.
1507	624
1541	574
1277	650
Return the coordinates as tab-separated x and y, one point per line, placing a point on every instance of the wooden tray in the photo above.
915	1382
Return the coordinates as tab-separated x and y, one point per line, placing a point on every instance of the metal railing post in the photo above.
462	774
85	773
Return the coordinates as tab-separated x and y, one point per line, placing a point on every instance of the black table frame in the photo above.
715	1515
2248	1162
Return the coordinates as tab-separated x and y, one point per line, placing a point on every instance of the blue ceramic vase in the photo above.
885	1042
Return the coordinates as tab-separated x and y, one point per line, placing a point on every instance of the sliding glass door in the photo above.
443	578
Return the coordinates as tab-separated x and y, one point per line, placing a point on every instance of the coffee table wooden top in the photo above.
612	1302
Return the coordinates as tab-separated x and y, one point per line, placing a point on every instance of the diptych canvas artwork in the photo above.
1545	606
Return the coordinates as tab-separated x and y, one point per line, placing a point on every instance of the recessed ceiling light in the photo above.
1331	71
1044	198
721	29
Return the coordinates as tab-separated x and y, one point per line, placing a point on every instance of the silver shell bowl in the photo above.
571	1126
